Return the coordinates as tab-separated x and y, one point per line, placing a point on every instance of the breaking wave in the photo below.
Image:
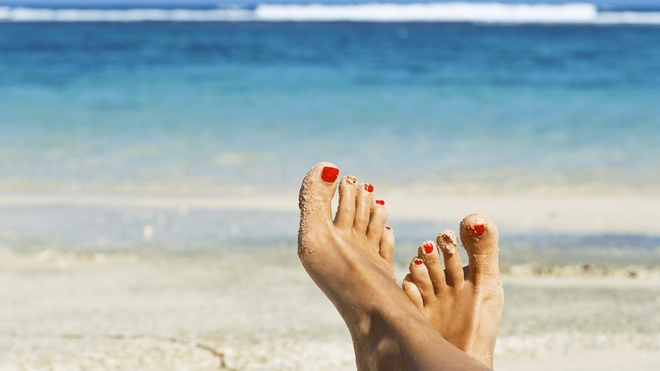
577	13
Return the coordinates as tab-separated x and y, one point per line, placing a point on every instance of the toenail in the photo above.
329	174
388	227
476	230
418	261
368	187
428	247
380	202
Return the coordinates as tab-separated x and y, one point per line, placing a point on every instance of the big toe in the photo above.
480	239
316	193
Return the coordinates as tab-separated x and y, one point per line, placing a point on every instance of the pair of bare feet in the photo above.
443	319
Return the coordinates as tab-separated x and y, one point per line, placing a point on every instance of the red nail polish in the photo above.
428	248
476	230
368	187
329	174
380	202
418	261
388	227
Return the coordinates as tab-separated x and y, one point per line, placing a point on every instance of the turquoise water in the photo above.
100	105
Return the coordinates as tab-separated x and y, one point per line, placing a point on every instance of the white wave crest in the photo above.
122	15
576	13
438	12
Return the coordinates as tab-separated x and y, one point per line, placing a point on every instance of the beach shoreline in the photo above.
525	213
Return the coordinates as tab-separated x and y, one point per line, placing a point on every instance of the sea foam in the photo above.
121	15
575	13
445	12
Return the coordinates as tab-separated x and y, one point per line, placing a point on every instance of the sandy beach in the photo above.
254	308
169	301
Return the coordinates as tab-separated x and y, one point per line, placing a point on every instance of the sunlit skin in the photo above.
350	259
463	305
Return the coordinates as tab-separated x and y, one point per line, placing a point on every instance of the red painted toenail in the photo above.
476	230
418	261
368	187
428	248
380	202
329	174
388	227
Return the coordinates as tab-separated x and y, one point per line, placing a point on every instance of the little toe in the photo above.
412	291
377	221
346	210
480	238
317	191
420	275
365	198
429	254
386	246
448	244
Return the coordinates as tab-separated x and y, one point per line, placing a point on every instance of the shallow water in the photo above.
112	229
245	107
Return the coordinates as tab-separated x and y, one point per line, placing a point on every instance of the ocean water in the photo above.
254	104
245	106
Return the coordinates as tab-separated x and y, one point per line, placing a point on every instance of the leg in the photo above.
464	306
349	259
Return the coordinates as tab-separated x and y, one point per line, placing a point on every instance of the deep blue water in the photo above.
100	105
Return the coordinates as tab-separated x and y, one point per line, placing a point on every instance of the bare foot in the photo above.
350	257
350	260
463	305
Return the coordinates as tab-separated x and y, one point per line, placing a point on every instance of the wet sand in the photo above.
529	211
254	308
